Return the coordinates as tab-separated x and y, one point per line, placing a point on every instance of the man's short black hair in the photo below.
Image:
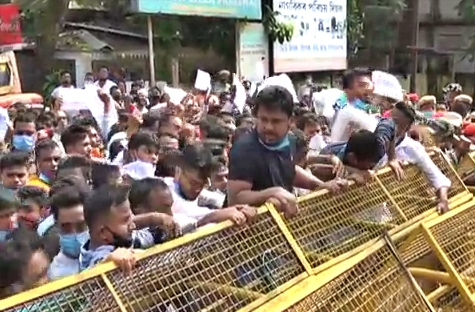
364	145
63	183
99	204
26	117
14	159
150	119
218	132
207	122
275	98
73	134
64	72
407	110
102	173
350	76
70	196
74	161
141	189
198	157
77	163
306	119
8	199
45	145
33	193
142	138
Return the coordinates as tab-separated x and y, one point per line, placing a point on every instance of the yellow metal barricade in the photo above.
218	268
369	281
330	257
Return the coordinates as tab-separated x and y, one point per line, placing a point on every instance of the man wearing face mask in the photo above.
116	95
356	84
88	79
261	163
24	132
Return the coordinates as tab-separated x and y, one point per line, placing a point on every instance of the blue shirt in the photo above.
141	239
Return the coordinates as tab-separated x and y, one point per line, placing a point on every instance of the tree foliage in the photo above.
371	24
466	10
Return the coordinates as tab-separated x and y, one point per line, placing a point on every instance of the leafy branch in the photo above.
277	29
354	26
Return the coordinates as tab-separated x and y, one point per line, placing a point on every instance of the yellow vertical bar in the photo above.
407	242
441	155
290	238
393	201
461	286
113	292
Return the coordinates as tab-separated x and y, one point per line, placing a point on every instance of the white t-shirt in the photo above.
57	91
186	208
107	85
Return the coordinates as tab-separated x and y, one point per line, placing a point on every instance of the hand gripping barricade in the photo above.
379	247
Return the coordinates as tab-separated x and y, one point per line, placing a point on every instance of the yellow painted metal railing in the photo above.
331	257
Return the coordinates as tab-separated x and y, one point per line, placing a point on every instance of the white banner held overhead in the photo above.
319	39
282	80
387	85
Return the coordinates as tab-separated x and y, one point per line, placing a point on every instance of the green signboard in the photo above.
243	9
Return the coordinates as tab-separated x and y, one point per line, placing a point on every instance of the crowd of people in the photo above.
77	192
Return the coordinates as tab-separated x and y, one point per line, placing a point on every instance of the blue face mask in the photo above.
3	235
71	243
23	142
277	146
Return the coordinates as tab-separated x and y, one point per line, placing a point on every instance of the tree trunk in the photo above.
48	25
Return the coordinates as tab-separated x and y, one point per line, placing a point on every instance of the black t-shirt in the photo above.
250	161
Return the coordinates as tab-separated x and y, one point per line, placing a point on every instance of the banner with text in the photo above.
253	60
246	9
319	40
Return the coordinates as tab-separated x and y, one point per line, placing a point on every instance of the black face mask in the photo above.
119	241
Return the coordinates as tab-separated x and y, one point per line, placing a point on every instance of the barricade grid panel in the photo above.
456	237
91	295
330	225
376	284
442	163
465	165
413	250
221	272
414	195
452	302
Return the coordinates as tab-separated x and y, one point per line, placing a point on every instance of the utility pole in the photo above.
415	44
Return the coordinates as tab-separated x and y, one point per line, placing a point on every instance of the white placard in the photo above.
350	119
240	98
282	80
203	80
319	40
73	99
176	95
387	85
324	100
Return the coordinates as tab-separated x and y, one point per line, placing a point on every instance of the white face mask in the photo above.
139	169
316	142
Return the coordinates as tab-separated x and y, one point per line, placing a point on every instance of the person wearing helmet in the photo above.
451	91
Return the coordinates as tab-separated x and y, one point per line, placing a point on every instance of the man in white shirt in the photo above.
103	81
65	84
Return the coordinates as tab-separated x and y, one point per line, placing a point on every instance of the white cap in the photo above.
452	118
